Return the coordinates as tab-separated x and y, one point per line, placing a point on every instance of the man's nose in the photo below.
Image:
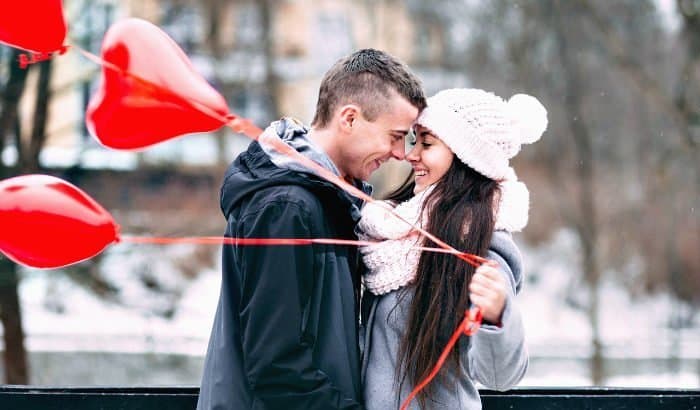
398	151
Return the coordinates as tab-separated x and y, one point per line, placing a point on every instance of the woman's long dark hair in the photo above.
460	211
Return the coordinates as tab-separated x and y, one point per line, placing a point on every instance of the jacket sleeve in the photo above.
276	289
497	356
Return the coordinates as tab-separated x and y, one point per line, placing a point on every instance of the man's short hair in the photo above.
366	78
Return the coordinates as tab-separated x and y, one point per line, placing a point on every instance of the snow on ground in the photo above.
640	349
629	327
91	325
85	322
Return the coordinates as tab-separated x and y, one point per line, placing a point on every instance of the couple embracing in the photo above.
340	327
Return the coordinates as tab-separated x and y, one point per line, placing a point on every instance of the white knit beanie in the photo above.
482	129
485	132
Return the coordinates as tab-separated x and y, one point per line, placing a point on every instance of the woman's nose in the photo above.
412	155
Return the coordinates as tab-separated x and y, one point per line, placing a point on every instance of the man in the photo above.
285	335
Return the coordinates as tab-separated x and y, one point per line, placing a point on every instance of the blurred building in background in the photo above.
266	57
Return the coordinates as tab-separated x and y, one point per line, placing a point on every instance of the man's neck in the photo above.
325	139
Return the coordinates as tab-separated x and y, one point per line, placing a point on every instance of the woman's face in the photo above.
430	158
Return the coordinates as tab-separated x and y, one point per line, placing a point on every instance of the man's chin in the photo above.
362	175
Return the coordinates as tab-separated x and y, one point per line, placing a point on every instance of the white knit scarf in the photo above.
392	263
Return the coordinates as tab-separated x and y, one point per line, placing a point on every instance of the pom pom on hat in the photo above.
529	115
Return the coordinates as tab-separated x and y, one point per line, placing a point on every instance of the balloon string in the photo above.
220	240
279	145
31	57
237	124
242	124
246	127
472	319
469	326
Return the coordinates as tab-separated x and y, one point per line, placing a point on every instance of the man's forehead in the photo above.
401	110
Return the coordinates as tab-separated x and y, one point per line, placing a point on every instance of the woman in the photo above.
463	191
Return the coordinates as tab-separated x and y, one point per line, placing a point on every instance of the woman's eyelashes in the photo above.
422	143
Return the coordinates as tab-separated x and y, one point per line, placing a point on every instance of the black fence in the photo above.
185	398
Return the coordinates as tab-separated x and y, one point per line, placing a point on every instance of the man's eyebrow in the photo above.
402	132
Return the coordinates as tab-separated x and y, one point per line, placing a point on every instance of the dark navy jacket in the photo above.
285	335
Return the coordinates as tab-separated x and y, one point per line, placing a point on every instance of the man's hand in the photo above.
488	292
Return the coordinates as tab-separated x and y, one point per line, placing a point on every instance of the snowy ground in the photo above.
66	323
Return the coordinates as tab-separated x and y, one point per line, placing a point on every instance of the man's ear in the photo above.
349	113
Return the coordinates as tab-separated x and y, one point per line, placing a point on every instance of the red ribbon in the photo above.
469	326
29	58
220	240
472	320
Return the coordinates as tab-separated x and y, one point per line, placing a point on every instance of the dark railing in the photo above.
185	398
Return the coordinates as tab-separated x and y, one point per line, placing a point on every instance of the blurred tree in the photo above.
15	359
586	222
687	235
621	150
272	81
236	54
27	148
669	162
213	16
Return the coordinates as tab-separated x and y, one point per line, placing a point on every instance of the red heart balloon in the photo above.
150	92
36	25
49	223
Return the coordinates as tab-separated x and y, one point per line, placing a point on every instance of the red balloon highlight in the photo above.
150	91
49	223
36	25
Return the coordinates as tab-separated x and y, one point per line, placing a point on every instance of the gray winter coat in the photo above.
495	357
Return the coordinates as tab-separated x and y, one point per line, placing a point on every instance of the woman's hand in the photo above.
488	291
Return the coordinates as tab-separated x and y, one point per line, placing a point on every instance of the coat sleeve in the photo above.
498	356
276	289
